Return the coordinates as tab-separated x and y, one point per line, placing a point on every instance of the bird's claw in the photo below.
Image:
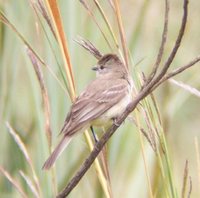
115	122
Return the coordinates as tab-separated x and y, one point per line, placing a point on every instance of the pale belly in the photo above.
113	112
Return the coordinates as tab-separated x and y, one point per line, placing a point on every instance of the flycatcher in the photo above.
103	100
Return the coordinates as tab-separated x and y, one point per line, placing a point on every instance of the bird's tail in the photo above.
56	153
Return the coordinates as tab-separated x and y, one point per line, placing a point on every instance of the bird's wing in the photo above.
98	97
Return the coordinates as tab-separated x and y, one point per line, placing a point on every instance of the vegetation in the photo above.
155	153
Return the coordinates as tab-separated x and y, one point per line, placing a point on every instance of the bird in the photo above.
100	104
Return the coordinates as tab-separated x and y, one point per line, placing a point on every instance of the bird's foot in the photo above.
115	122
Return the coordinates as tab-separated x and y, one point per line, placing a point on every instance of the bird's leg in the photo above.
94	135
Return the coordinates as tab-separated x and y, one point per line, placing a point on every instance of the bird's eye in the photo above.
102	67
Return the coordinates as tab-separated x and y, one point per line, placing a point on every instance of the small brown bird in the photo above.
103	100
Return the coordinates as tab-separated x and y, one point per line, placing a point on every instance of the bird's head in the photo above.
109	64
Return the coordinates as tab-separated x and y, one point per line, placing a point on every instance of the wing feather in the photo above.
92	103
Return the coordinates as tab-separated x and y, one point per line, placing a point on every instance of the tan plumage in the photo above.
102	101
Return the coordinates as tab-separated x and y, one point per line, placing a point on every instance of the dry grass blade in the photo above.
147	173
104	164
60	35
45	97
103	156
89	47
43	11
19	143
143	131
86	6
107	23
156	108
149	119
29	183
25	153
5	20
122	33
156	126
152	144
186	87
106	173
151	129
13	182
46	105
39	7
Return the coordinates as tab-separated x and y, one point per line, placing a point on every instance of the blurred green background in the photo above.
21	102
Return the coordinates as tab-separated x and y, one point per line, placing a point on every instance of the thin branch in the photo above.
162	46
177	71
177	44
166	66
181	69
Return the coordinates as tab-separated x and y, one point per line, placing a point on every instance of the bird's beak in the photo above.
95	68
